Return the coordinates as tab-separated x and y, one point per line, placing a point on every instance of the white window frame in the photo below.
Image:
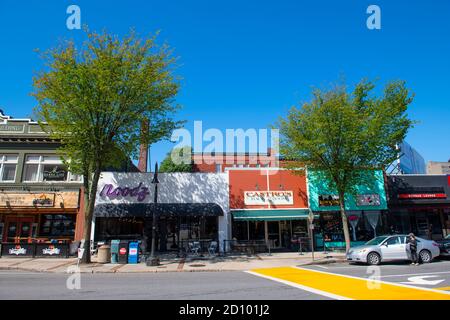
41	164
3	162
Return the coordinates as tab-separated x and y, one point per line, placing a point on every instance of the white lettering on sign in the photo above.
268	197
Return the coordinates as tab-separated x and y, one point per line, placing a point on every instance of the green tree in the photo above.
95	97
345	133
178	160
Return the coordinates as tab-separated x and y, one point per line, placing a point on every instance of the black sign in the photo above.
328	200
17	250
57	175
52	250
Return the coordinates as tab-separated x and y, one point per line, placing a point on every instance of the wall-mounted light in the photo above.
281	187
257	186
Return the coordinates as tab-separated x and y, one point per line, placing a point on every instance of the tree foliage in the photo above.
345	133
95	97
178	160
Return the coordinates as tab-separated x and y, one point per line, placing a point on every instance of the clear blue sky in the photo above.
244	63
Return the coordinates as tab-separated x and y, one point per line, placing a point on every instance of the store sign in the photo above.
11	128
268	197
51	250
44	200
54	174
422	196
140	192
17	250
368	200
328	200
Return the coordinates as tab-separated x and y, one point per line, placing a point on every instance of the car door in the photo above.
394	248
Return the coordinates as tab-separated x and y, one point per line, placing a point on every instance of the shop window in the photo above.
47	168
240	230
8	167
57	225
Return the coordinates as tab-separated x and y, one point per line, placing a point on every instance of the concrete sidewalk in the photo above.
173	264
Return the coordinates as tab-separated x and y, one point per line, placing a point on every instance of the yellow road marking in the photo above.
443	288
341	286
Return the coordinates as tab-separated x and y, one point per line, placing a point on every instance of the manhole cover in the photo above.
196	265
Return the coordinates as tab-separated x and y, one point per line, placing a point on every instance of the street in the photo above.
332	281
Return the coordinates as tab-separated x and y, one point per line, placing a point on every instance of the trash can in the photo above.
104	254
115	251
133	252
123	252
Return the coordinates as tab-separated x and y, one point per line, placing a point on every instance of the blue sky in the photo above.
244	63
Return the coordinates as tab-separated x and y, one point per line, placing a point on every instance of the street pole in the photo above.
153	260
311	231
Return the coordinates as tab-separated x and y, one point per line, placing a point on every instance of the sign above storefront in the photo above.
422	196
368	200
328	200
44	200
268	197
68	199
140	192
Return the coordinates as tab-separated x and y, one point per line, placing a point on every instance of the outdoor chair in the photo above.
212	248
194	247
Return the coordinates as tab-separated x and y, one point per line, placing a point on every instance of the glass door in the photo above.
273	233
18	230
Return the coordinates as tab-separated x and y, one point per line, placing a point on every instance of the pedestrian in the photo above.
411	240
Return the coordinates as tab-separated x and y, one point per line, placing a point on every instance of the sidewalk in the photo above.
173	264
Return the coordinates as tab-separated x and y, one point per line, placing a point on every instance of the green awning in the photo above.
271	215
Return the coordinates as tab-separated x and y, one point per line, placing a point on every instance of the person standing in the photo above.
412	241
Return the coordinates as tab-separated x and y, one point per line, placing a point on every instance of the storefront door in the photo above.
18	229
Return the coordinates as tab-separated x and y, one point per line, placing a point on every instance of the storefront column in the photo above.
266	232
92	233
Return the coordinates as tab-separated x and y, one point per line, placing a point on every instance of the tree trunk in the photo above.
88	214
344	223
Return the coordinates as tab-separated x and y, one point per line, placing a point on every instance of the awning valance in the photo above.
160	209
271	215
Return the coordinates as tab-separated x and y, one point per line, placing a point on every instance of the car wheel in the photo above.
425	256
373	258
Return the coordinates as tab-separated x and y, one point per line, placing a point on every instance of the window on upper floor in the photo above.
47	168
8	167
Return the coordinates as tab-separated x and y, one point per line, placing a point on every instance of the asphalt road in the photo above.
206	285
166	286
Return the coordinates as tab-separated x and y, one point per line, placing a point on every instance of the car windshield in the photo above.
447	237
376	241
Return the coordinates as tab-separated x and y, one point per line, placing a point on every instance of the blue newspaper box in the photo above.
133	252
115	251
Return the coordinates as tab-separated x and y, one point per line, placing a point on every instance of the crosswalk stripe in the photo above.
338	286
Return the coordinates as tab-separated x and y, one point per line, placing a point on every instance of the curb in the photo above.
114	270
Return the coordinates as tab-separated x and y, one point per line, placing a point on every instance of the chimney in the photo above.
143	149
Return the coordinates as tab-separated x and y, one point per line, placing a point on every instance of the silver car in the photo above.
393	247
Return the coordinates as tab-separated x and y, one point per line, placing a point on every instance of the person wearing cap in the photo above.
411	240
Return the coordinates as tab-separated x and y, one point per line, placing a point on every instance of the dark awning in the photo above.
161	209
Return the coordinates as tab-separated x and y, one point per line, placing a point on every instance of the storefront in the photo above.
365	209
420	204
31	216
190	206
269	205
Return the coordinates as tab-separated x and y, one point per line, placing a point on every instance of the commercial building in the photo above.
420	204
221	161
269	205
434	167
189	206
410	161
365	208
40	200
